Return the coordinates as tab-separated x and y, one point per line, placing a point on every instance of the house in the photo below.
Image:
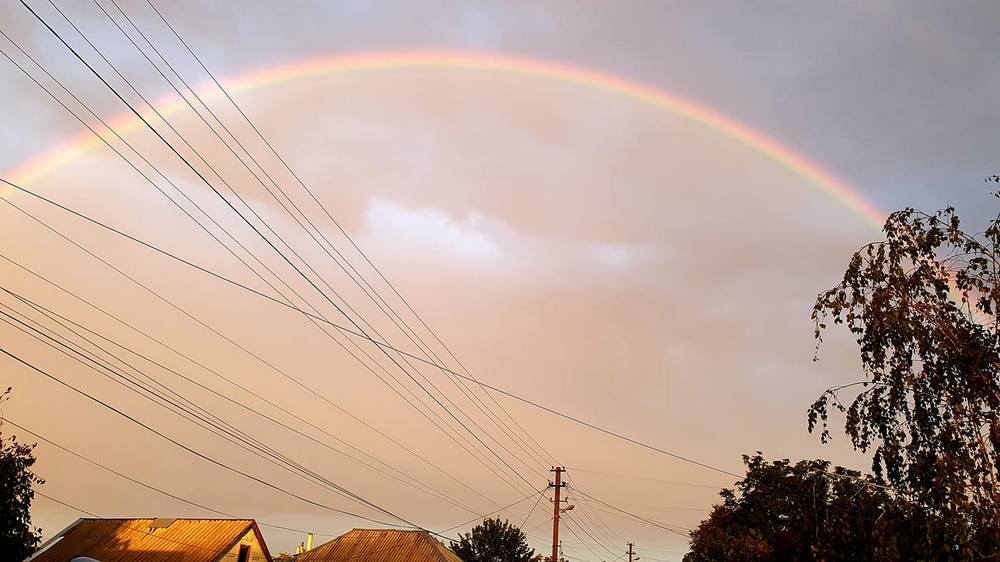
381	545
157	540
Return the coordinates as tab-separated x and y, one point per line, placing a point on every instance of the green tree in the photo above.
922	305
17	538
806	511
493	541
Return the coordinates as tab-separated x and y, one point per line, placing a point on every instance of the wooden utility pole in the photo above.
630	551
558	484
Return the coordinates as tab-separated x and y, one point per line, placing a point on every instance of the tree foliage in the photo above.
17	538
806	511
922	305
493	541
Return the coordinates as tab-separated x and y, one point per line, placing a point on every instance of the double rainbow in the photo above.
66	152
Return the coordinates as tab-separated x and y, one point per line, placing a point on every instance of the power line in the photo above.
295	465
197	418
189	449
378	343
634	477
648	521
210	509
598	524
569	517
245	165
585	544
243	217
329	215
160	296
145	160
645	522
528	516
206	182
118	153
278	200
291	413
189	315
124	158
139	482
413	482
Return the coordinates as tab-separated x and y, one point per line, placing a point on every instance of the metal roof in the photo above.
381	545
148	540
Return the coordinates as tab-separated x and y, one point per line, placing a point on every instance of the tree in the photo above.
493	541
788	512
17	538
922	305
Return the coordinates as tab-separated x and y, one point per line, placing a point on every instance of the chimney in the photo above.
309	542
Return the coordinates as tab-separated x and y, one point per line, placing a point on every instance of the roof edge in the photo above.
437	552
55	538
250	526
260	539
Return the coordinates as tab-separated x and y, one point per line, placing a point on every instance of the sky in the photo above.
605	257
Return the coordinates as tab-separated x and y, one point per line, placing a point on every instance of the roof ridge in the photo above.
233	519
387	530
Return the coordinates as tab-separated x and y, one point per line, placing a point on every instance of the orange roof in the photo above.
148	540
381	545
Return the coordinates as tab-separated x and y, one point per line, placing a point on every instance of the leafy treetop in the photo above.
922	305
17	538
493	540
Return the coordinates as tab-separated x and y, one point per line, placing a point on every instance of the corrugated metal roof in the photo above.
140	540
381	545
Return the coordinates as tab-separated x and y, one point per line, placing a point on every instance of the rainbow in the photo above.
66	152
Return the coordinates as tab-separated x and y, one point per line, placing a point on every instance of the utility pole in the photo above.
558	484
630	552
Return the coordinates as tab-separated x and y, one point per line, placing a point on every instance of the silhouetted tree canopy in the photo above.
17	538
808	511
493	540
923	307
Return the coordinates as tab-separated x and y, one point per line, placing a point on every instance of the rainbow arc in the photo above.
73	148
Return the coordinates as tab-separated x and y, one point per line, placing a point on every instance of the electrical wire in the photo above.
329	215
314	231
598	542
646	520
227	379
409	481
257	230
192	416
191	450
213	510
191	316
360	335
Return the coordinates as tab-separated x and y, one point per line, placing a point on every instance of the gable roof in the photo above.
381	545
148	540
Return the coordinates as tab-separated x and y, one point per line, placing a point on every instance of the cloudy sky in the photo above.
605	257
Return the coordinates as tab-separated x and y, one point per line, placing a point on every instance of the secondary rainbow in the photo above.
68	151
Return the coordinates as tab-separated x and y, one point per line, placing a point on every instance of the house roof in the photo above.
381	545
148	540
